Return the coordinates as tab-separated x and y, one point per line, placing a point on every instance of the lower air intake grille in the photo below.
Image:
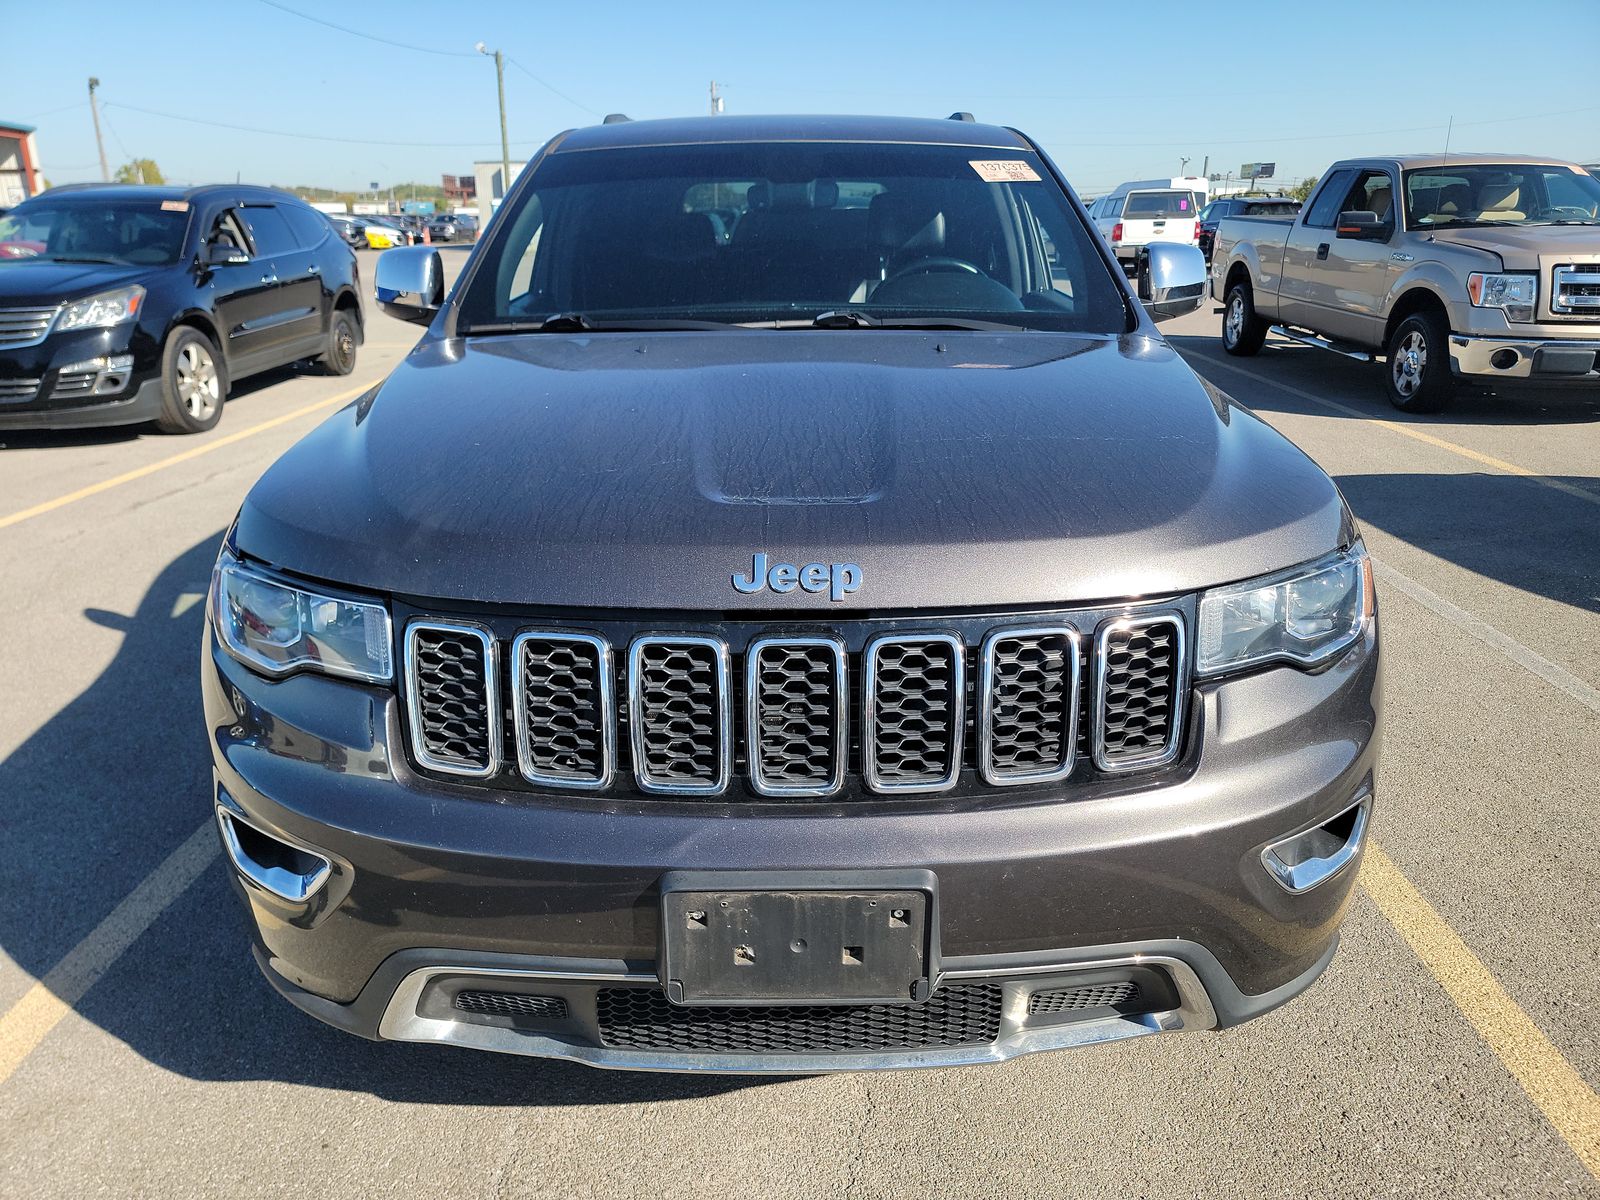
915	712
18	389
1139	699
454	710
642	1019
511	1004
1064	1000
679	710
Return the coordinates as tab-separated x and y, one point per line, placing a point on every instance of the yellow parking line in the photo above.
1550	1081
43	1005
1488	460
105	485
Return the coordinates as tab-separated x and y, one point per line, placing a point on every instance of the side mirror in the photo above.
1362	226
409	283
1172	280
221	254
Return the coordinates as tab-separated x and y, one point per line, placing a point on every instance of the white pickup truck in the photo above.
1467	267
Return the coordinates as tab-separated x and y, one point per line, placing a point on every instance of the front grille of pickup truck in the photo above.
1576	289
643	1019
754	710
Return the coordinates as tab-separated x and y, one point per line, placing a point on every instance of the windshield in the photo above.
129	232
1159	204
788	231
1500	194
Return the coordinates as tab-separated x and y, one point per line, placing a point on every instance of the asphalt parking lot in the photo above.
1453	1048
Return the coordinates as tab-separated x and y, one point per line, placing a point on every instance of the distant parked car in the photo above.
450	227
144	303
353	230
386	235
1241	206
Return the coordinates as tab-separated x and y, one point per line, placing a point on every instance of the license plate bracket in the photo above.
736	938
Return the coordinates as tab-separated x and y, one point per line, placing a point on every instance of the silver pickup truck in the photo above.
1468	267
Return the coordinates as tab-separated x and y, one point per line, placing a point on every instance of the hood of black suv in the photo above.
38	281
646	471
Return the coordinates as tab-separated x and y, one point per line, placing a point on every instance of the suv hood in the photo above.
39	281
1528	247
643	471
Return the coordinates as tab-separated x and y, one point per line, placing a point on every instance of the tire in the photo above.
1243	333
344	335
194	383
1417	371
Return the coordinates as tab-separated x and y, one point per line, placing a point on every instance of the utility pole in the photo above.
1205	171
1183	167
105	171
716	100
505	146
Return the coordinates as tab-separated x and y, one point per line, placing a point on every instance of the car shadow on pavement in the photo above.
1360	386
1514	529
95	798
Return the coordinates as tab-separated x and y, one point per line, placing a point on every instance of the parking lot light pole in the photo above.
505	146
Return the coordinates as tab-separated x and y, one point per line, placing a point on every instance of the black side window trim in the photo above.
1340	180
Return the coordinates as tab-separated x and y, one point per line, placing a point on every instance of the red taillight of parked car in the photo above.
1197	231
1116	232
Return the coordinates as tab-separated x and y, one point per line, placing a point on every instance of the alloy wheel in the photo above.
1410	360
198	387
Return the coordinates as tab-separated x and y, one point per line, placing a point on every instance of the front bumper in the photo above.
430	882
61	382
1530	359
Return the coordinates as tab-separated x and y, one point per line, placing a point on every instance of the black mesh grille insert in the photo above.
916	711
1141	665
678	702
796	704
451	690
562	708
1076	999
1031	697
641	1018
511	1004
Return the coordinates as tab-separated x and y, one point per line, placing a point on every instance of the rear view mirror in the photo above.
409	283
222	254
1172	279
1363	226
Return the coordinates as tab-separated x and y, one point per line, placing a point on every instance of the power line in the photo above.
549	87
361	33
308	137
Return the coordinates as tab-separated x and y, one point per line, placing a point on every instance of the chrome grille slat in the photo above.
914	712
25	326
564	712
1028	705
453	697
1575	288
797	700
18	389
1140	684
680	714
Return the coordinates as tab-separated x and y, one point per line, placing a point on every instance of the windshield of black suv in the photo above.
81	229
1501	194
786	232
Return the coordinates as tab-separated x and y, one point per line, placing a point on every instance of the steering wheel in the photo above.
932	264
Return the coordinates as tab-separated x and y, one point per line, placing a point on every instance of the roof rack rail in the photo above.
959	116
616	118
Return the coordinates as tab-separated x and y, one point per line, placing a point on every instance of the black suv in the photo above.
1240	206
124	304
859	641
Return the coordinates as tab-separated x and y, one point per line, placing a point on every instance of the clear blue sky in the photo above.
1113	91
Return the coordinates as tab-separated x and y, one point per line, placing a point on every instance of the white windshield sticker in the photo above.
174	206
1004	170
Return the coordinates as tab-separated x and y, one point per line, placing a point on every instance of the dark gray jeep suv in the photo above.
792	612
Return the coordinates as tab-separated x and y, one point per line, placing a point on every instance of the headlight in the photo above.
277	628
1515	294
1305	615
102	311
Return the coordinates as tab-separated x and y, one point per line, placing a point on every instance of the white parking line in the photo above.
1546	670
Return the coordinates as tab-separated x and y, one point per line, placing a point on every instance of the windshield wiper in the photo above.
1565	221
850	318
571	322
83	258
